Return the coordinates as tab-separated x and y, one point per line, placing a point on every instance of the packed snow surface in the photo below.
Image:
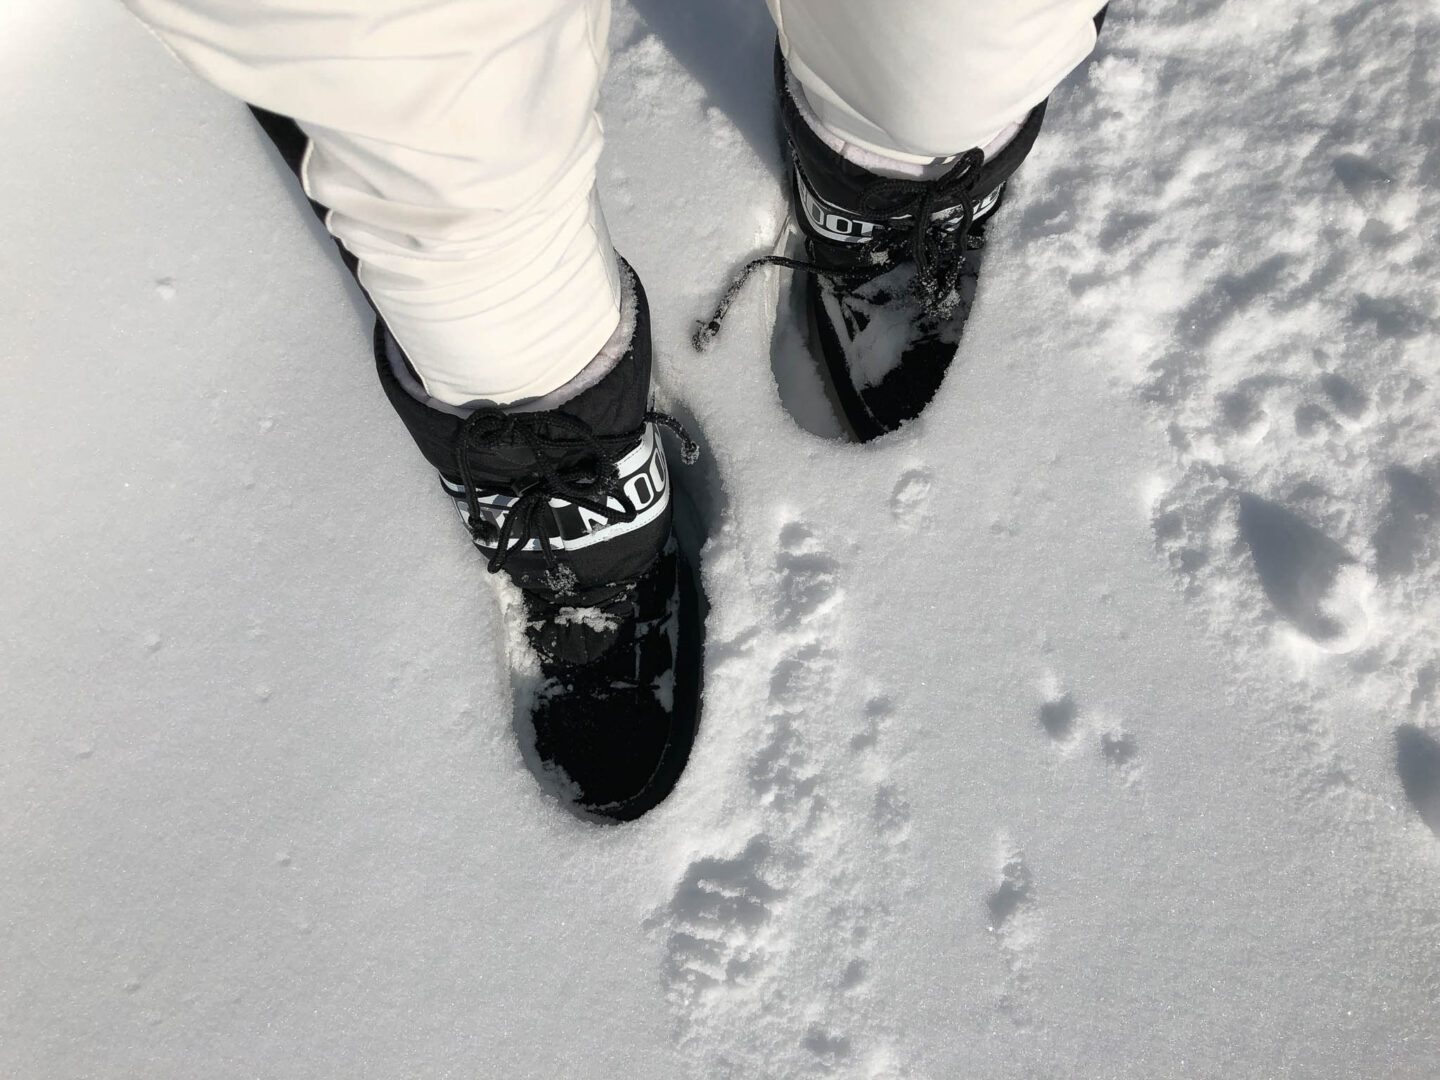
1089	726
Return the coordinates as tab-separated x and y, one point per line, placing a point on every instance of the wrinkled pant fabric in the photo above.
455	141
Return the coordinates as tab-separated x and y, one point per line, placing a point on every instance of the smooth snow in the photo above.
1087	727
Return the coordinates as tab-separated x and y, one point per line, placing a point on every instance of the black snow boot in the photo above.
891	266
574	505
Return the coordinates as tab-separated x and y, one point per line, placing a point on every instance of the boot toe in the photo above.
613	734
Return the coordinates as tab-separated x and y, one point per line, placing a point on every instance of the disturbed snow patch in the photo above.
1280	322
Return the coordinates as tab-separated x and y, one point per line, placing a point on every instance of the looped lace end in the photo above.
706	331
689	448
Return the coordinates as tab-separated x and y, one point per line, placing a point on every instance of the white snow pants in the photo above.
455	141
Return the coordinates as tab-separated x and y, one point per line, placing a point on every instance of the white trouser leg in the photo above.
923	79
455	143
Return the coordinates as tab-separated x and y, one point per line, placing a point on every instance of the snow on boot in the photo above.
574	505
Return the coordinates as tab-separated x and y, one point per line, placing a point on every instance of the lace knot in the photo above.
587	479
570	463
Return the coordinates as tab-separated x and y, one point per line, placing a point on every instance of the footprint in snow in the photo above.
891	814
877	715
1121	751
1057	716
1014	892
1391	316
807	582
1347	398
767	951
808	578
781	773
829	1048
718	916
910	496
1308	578
725	933
1364	181
1060	717
1244	415
1417	760
1408	528
1011	911
1426	679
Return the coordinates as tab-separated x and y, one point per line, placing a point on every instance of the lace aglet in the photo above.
705	333
689	448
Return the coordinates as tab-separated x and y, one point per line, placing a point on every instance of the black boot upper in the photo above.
574	505
596	458
893	265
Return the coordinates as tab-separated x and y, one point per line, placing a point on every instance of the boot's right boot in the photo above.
574	505
892	264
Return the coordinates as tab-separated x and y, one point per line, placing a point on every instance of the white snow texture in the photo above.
1087	727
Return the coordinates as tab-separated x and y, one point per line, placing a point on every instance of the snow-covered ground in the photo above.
1088	727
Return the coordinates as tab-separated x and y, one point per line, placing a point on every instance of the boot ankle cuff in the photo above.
840	181
612	403
604	361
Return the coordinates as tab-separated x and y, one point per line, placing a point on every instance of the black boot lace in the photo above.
588	479
936	245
